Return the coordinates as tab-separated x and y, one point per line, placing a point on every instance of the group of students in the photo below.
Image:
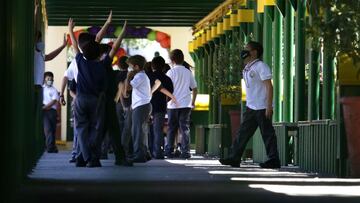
119	104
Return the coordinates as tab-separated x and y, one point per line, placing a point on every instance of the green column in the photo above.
288	64
210	48
205	67
258	25
195	57
277	69
267	36
215	106
300	61
328	96
313	85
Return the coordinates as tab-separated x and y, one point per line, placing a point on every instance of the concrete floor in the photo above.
195	180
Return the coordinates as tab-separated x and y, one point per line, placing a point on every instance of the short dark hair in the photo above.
48	74
177	56
137	60
104	48
256	46
84	38
91	50
158	63
122	62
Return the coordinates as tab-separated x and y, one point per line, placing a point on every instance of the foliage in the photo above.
337	24
226	76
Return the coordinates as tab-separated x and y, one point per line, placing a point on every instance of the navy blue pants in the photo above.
49	117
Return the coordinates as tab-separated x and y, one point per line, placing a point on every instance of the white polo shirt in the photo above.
50	94
72	71
39	67
254	75
183	80
141	91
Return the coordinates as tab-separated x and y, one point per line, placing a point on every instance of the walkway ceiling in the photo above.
137	12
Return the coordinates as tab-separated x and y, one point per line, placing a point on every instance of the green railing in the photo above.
284	132
318	147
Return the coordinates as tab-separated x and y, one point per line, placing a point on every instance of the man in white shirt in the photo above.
50	99
179	115
259	108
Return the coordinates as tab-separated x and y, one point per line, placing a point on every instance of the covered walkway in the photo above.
198	179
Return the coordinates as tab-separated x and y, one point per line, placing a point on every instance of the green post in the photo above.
288	64
277	69
267	36
209	73
313	86
215	106
300	61
205	67
258	22
328	96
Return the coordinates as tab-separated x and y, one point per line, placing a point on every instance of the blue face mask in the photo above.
244	54
49	83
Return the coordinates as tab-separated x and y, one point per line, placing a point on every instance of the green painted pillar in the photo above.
258	25
205	67
313	85
328	93
300	61
267	36
288	115
209	73
278	64
215	106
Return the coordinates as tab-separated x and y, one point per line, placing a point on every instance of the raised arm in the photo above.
71	26
57	51
117	43
155	86
102	32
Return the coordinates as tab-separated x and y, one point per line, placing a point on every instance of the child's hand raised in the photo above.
124	29
71	24
109	19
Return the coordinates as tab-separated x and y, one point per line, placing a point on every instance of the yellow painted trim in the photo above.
219	27
203	39
260	6
245	16
214	31
226	24
233	20
208	35
195	44
191	47
269	3
199	41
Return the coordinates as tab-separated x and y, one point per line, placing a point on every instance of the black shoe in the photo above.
270	164
80	162
169	155
124	162
93	163
177	153
185	156
230	162
72	160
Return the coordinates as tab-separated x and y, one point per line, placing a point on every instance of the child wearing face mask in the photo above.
50	99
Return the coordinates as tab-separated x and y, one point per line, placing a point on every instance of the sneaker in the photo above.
80	162
270	164
72	160
230	162
177	153
169	155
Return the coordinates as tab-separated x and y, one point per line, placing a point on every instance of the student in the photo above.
179	115
89	103
158	102
51	97
123	109
70	76
259	109
141	108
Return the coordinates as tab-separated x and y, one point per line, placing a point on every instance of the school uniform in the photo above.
179	116
159	106
90	105
141	109
49	117
254	116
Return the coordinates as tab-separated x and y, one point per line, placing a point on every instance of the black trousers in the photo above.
49	117
252	119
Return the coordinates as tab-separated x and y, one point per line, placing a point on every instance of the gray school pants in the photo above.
49	117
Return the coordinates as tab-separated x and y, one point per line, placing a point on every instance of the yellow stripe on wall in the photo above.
245	16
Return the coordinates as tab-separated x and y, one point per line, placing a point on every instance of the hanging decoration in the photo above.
131	32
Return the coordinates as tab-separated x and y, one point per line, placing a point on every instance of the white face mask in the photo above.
130	68
49	83
40	46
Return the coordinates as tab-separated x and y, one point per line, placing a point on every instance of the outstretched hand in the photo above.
71	24
124	29
109	19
